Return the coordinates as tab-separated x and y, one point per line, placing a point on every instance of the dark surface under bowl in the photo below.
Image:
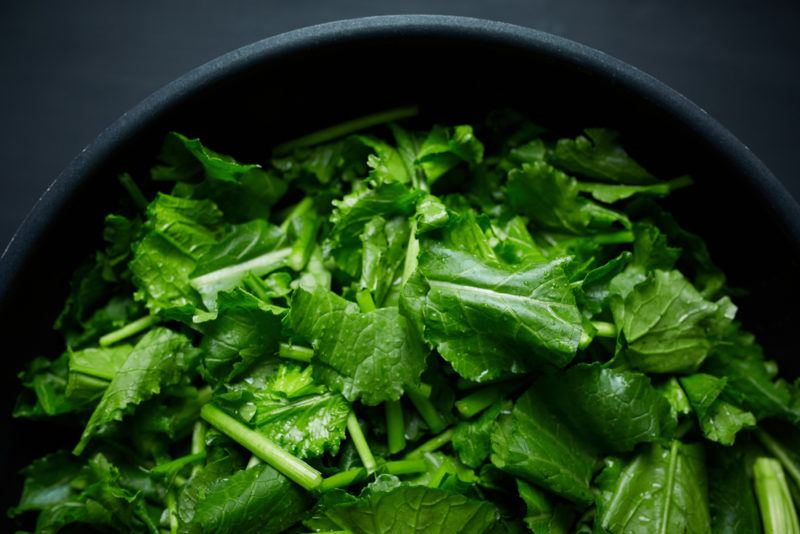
456	69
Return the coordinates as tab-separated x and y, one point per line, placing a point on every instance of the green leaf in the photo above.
254	500
289	408
663	324
159	359
542	516
445	148
730	492
402	509
598	155
749	385
661	490
472	440
355	210
120	233
193	226
370	356
610	194
256	248
489	320
386	163
48	482
516	243
383	253
99	362
245	330
431	214
535	445
613	409
161	271
242	191
552	201
719	420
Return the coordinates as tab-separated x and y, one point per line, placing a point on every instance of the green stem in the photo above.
295	352
130	329
198	443
365	302
412	251
781	454
294	468
177	464
133	191
172	507
426	409
347	127
395	426
437	476
404	467
605	329
778	515
256	286
476	402
360	441
615	238
435	443
344	479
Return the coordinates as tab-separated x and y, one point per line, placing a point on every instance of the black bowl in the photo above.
455	69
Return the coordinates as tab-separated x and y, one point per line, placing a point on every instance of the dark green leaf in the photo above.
719	420
370	356
159	359
488	320
613	409
472	440
660	490
444	148
406	509
255	500
535	445
551	199
599	155
730	492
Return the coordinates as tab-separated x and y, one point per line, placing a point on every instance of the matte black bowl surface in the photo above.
455	69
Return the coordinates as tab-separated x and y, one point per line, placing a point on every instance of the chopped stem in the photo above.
405	467
781	454
778	514
360	441
395	426
614	238
252	462
198	443
343	479
133	190
295	352
199	438
437	476
256	286
365	302
426	409
435	443
172	507
291	466
347	127
476	402
130	329
605	329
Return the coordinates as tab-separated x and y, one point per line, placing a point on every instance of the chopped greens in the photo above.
475	328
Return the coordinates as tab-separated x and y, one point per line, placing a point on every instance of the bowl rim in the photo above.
786	210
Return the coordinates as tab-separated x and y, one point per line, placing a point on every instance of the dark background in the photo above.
68	69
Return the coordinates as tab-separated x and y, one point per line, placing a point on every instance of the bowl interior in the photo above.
272	93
